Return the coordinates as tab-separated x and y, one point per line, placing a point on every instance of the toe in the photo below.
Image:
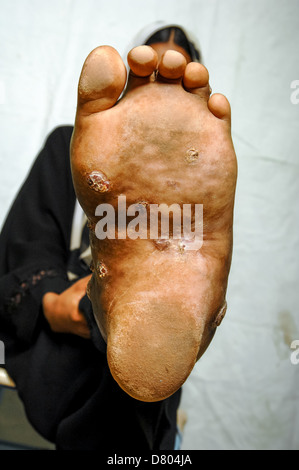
196	79
102	80
219	105
143	61
172	65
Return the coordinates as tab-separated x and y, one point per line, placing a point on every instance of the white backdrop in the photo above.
244	392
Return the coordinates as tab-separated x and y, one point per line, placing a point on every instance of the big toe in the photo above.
102	80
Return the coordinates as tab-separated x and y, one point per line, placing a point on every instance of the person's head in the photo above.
163	36
173	37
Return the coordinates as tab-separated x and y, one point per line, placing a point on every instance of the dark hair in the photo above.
180	39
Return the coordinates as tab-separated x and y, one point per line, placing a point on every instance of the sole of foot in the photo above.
157	301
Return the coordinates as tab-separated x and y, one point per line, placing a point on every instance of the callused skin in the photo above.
157	304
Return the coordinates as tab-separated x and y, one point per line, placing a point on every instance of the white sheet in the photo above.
243	393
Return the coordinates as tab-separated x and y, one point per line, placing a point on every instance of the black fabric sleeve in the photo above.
63	380
34	242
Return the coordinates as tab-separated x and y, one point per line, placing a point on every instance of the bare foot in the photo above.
157	303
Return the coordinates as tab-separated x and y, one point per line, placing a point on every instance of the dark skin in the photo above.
62	310
166	141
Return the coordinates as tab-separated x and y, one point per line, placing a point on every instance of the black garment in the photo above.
63	380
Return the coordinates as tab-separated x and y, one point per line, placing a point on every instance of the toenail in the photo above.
98	182
102	270
192	156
